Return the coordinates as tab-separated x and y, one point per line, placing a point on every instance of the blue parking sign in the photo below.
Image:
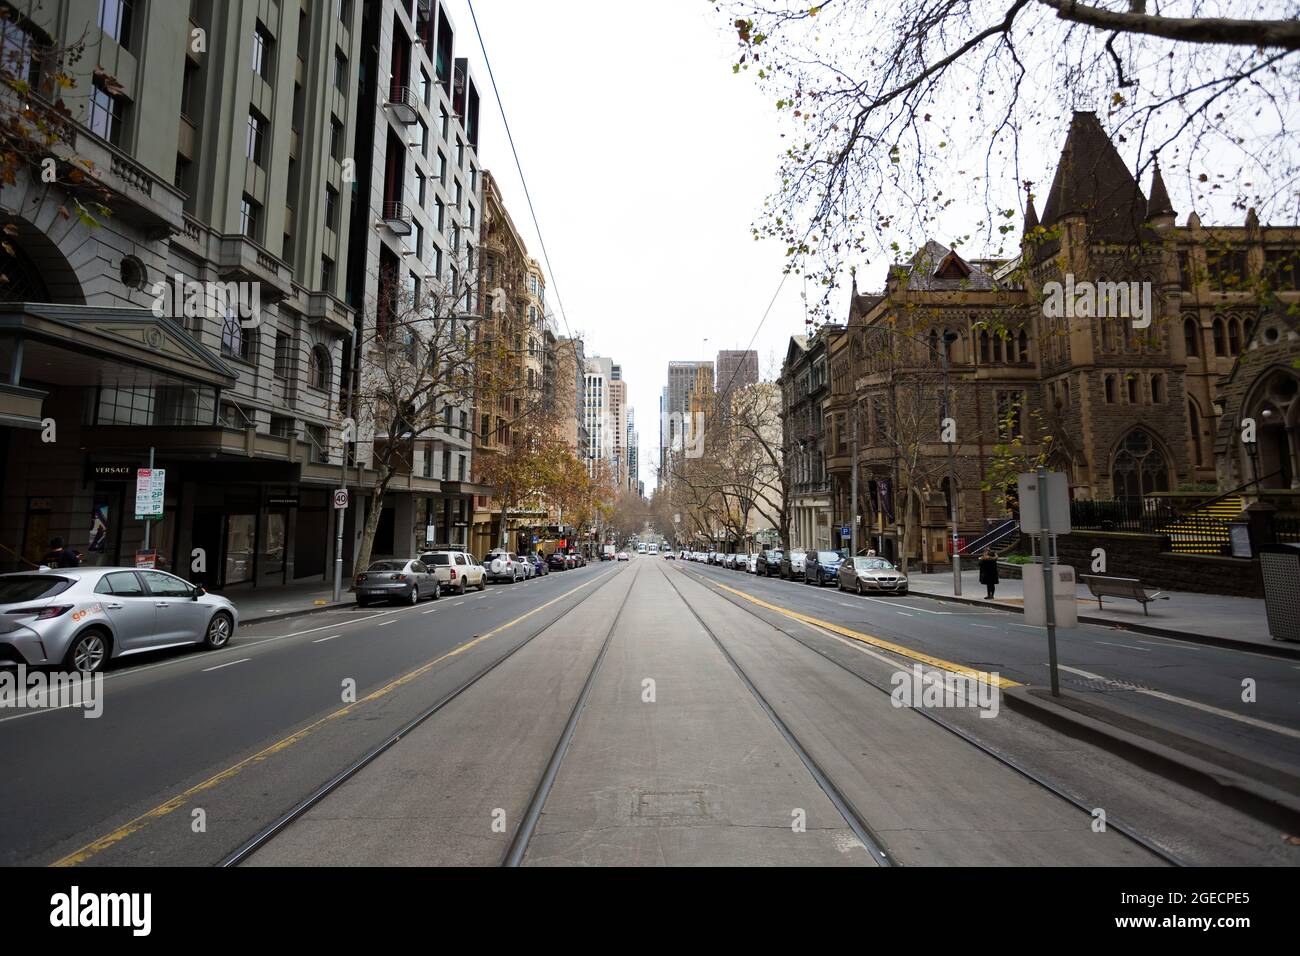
846	533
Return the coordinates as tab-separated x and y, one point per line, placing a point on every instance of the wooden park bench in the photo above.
1131	588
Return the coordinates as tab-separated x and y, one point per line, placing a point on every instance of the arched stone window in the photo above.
1192	337
1220	338
1139	466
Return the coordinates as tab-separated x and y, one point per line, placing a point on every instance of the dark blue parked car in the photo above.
540	567
822	567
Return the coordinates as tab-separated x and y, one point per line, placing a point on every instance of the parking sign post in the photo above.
340	514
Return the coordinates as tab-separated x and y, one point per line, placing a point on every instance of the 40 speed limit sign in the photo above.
341	499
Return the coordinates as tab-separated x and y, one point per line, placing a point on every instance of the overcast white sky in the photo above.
647	160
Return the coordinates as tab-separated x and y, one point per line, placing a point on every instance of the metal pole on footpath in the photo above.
853	493
1049	592
340	517
148	523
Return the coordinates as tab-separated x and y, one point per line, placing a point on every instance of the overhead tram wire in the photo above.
520	167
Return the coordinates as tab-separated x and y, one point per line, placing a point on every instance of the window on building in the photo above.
1282	269
1234	336
1192	337
331	208
1131	388
263	45
320	368
1185	271
340	71
1220	338
115	20
236	340
1157	389
107	114
283	355
250	218
1227	269
442	169
336	139
327	274
256	137
1109	386
1009	408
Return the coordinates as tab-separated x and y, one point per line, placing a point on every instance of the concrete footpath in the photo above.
1202	618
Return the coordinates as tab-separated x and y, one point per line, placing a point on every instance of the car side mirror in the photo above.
199	591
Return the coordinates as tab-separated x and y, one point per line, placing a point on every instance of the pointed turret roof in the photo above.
1031	217
1092	180
1159	204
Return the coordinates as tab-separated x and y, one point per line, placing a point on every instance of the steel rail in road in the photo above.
1111	823
277	826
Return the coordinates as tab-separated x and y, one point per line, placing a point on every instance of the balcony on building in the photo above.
403	104
397	217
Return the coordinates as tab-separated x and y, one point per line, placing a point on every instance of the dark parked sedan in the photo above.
822	567
769	563
556	561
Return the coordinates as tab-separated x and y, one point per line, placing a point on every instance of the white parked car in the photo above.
456	570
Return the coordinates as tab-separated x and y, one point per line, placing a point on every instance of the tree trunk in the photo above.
372	520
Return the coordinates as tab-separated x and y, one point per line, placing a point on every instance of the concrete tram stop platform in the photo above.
1214	619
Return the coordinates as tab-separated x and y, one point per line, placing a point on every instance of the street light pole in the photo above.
853	484
952	470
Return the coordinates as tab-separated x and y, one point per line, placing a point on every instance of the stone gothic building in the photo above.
1125	348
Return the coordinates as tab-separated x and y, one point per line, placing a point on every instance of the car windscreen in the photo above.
387	566
827	557
31	587
874	564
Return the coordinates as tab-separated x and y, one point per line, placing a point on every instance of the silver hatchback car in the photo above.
80	618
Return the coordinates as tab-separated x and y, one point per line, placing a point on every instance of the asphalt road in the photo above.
1192	688
175	722
197	752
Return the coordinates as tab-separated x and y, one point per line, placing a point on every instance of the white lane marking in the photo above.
1028	627
386	623
989	626
430	611
1128	647
1206	708
245	660
905	614
910	607
322	640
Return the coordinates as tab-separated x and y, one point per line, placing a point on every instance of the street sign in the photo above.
341	499
1058	503
150	484
846	533
146	558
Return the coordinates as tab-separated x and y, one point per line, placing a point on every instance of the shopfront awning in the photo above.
75	345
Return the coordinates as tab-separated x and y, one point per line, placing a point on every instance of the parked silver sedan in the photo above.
406	580
80	618
871	574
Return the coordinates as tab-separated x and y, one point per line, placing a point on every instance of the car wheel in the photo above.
482	583
437	590
464	586
861	593
219	631
415	594
89	652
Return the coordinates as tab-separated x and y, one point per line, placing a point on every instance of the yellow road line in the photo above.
175	803
884	645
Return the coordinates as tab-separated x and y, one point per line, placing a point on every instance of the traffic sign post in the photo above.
1045	510
340	515
846	533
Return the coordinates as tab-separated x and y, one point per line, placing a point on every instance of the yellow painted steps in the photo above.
1205	530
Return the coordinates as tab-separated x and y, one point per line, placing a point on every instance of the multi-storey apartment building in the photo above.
805	390
633	453
511	377
195	310
417	210
598	378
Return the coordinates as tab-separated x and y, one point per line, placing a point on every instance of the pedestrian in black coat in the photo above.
988	573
